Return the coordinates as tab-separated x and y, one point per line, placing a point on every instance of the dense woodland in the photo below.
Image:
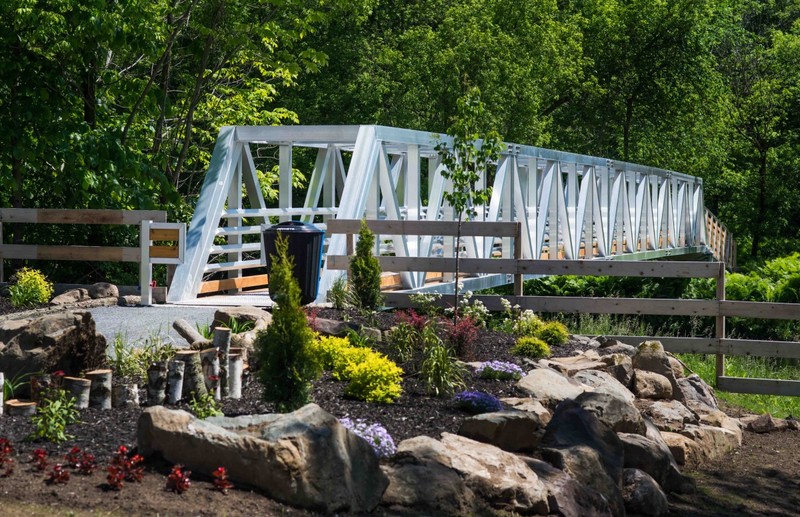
117	103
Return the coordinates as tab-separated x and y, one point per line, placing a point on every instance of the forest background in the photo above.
117	103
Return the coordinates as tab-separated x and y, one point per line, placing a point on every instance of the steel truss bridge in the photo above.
569	205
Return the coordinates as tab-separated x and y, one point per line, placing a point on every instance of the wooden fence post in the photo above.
145	270
517	257
720	327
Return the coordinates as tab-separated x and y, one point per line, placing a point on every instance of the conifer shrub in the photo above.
365	271
531	347
288	364
29	287
554	333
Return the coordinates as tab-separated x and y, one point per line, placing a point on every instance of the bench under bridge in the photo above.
569	206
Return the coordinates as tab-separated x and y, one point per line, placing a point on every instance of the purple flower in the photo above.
375	434
477	402
500	370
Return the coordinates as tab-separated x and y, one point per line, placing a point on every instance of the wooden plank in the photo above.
765	310
444	228
164	252
541	267
213	286
759	386
230	266
63	216
164	235
761	348
87	253
567	304
676	345
640	268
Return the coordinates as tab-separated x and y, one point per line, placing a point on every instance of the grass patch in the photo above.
750	367
603	324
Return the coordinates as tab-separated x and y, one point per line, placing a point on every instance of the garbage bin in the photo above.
305	245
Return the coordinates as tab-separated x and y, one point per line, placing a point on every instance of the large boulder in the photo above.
103	290
510	430
648	455
578	442
528	405
619	366
642	494
71	296
305	458
651	385
459	476
259	318
714	442
651	356
604	382
550	387
617	413
65	341
667	415
697	392
685	450
566	496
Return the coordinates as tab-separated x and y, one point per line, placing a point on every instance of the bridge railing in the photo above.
718	308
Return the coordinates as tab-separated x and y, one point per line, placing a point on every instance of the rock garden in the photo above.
344	410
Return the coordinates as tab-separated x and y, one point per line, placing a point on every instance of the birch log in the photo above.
193	382
222	342
2	384
21	407
79	388
156	383
175	381
100	391
210	362
235	370
125	395
190	334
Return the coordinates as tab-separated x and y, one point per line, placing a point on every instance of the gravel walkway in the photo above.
138	323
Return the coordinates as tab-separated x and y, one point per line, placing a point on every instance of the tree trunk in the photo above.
190	334
211	371
100	392
21	407
235	371
458	268
193	382
125	395
175	381
222	342
626	129
79	388
156	383
2	382
761	211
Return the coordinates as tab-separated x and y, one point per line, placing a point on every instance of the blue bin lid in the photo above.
294	227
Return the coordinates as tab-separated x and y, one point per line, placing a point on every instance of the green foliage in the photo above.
288	365
366	271
13	386
204	407
205	330
237	327
531	347
750	367
371	376
441	372
426	303
553	333
375	379
403	340
131	360
29	287
53	415
359	340
339	295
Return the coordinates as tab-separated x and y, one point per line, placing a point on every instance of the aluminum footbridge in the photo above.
569	205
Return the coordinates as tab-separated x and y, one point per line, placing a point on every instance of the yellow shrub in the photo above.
376	379
531	347
30	287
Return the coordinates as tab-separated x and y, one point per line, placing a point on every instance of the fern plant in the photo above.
288	365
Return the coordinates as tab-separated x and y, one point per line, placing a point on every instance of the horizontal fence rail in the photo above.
718	308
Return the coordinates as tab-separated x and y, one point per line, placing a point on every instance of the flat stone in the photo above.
763	423
604	382
528	405
550	387
571	365
71	296
509	430
667	415
714	442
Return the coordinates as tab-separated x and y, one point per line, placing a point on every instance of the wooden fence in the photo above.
153	228
719	307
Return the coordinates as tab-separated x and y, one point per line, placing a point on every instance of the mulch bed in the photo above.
726	487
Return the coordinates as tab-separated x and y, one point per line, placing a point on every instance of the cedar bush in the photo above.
553	333
288	364
365	271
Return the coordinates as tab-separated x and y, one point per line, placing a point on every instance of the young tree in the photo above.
465	163
366	271
287	364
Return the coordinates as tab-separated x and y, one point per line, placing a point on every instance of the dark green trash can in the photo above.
305	245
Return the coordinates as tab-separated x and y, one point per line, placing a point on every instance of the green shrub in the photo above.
441	372
204	407
375	379
526	324
553	333
339	295
531	347
29	287
402	340
53	415
327	348
288	364
365	271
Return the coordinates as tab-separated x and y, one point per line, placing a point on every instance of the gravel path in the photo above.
138	323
